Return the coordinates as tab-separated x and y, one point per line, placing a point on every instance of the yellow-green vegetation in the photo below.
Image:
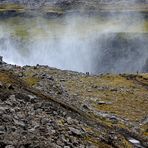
145	129
6	78
125	98
12	7
128	100
31	81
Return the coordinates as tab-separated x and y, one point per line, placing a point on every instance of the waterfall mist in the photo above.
115	43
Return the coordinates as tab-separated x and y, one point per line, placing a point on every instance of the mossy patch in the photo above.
5	78
31	81
128	99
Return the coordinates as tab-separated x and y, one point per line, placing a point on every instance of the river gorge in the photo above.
95	43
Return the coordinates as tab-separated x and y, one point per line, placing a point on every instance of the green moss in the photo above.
31	81
4	78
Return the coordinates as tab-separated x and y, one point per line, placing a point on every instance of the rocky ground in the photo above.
42	106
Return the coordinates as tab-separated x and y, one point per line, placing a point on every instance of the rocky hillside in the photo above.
42	106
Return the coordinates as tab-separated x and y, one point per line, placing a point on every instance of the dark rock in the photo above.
85	106
114	89
2	130
101	102
50	78
4	96
10	87
87	73
1	59
22	97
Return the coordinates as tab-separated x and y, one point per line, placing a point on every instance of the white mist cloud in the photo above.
78	43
